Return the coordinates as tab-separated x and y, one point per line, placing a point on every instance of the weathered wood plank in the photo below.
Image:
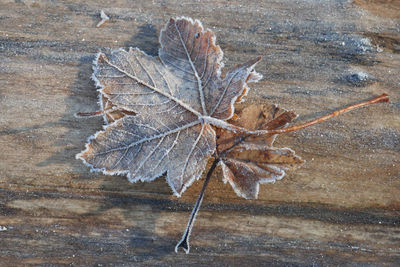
341	207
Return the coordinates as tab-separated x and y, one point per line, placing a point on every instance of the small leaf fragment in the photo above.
104	19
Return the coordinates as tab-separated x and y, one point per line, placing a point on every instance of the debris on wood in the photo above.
104	19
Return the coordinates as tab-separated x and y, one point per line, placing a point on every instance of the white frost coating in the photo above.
363	76
221	124
98	85
131	177
92	168
365	44
253	78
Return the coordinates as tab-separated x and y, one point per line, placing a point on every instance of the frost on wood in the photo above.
159	110
248	160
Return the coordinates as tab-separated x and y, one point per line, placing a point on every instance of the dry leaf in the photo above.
162	114
248	160
176	99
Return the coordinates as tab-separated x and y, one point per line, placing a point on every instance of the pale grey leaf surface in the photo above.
135	81
145	147
190	52
233	85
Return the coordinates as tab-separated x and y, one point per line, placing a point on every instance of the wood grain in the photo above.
341	208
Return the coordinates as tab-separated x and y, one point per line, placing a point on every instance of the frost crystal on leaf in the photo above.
161	111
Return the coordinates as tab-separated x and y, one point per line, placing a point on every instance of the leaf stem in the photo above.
231	127
378	99
184	243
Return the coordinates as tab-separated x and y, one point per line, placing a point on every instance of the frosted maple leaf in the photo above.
174	101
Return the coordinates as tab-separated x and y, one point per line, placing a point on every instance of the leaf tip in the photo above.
384	98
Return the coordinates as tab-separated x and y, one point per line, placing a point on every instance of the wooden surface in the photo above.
342	207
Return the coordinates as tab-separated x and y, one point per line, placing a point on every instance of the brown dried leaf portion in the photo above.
245	170
255	117
247	160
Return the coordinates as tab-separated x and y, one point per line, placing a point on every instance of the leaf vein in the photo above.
157	90
149	155
223	93
200	88
190	154
167	151
146	139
